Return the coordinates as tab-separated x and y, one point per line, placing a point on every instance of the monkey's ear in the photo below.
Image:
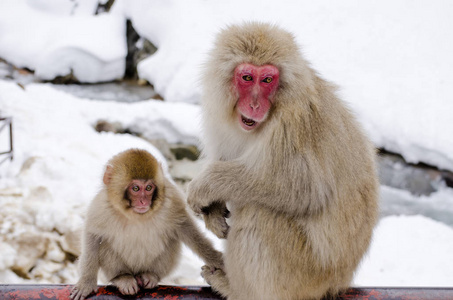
108	174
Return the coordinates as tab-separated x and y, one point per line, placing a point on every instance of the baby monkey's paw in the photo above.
126	284
147	280
82	289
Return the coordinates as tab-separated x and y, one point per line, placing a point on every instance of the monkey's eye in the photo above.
135	188
267	80
149	188
247	77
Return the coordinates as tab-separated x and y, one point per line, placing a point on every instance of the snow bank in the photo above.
408	251
50	123
44	38
392	59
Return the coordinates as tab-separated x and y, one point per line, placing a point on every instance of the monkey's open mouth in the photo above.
249	123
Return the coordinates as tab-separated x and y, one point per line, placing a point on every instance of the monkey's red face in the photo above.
256	87
140	195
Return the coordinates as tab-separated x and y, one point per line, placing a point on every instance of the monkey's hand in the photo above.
83	288
214	218
203	200
199	195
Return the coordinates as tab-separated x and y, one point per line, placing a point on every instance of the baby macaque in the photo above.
135	226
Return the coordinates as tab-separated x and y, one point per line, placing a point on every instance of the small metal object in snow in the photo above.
4	122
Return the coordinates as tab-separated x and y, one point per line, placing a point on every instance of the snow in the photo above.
411	250
392	60
93	48
59	157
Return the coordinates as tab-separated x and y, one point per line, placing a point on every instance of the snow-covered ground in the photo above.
392	60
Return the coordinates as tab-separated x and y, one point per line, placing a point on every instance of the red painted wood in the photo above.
45	292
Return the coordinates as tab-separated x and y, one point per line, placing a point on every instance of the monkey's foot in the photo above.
147	280
81	290
126	284
217	279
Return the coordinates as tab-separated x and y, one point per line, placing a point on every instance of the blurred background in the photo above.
81	80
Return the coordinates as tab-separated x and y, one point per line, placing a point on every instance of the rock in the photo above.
28	164
104	6
185	151
71	242
185	170
11	192
164	147
69	273
54	252
122	91
47	271
8	276
65	79
105	126
30	247
397	173
38	194
138	48
8	257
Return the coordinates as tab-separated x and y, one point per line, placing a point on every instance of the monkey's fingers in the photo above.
139	281
206	268
210	273
226	213
216	223
147	280
126	284
80	293
206	273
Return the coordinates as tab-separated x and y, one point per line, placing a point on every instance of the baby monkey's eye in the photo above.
149	188
247	77
135	188
267	80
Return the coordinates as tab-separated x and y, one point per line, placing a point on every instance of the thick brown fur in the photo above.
137	250
302	187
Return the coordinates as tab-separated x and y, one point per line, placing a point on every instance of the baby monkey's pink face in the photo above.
256	87
140	195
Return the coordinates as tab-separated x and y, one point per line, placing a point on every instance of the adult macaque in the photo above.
292	164
135	226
